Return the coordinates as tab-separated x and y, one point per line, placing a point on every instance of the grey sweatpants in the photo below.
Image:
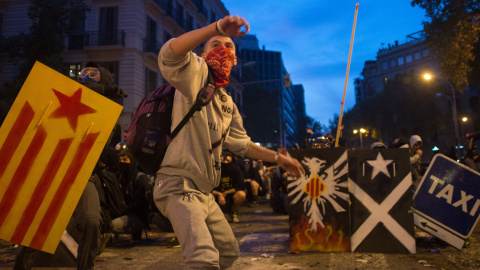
206	239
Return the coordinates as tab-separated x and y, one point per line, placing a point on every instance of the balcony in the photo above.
161	3
202	10
112	39
157	7
151	47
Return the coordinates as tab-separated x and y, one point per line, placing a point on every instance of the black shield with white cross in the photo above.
380	186
318	201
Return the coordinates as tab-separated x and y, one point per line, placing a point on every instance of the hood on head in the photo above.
378	145
414	139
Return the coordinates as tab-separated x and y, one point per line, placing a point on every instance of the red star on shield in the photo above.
71	107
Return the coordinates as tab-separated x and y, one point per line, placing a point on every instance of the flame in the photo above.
329	238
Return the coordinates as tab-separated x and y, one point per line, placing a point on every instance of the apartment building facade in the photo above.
414	57
393	60
121	36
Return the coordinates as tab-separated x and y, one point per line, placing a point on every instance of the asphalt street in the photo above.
264	244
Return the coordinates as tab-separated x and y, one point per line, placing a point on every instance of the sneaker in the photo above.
235	218
105	238
253	204
173	243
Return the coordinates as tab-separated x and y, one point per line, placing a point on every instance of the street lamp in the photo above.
360	132
464	120
454	109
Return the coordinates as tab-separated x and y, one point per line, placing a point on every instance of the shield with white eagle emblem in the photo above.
318	201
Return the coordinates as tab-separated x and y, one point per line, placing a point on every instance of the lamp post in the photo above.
464	120
361	131
454	109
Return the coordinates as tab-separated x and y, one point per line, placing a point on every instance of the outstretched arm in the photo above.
230	26
289	164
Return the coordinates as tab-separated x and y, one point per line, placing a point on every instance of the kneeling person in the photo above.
230	192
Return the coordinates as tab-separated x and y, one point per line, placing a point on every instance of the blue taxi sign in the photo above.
447	201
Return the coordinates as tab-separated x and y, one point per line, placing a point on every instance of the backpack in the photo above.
148	135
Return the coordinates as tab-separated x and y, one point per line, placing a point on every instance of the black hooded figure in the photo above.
136	189
101	81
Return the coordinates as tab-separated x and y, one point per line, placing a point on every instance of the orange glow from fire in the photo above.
329	238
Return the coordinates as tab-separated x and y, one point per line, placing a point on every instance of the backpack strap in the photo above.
203	98
219	142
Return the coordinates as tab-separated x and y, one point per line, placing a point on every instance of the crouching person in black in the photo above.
230	192
79	245
136	188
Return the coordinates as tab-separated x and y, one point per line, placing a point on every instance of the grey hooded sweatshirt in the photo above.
195	151
414	158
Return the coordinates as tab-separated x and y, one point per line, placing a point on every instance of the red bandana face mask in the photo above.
221	61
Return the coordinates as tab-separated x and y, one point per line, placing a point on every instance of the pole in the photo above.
361	141
346	77
455	118
454	115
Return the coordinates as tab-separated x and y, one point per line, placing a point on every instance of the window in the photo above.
76	39
166	36
169	8
150	81
108	19
108	26
425	52
370	91
151	29
384	65
74	71
113	68
213	16
189	22
408	58
400	60
391	63
417	56
151	40
180	15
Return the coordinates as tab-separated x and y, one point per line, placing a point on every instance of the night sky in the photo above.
314	39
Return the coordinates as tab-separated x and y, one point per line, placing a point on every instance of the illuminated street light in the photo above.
454	108
464	120
361	132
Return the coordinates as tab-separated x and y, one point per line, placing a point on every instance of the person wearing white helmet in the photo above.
415	157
